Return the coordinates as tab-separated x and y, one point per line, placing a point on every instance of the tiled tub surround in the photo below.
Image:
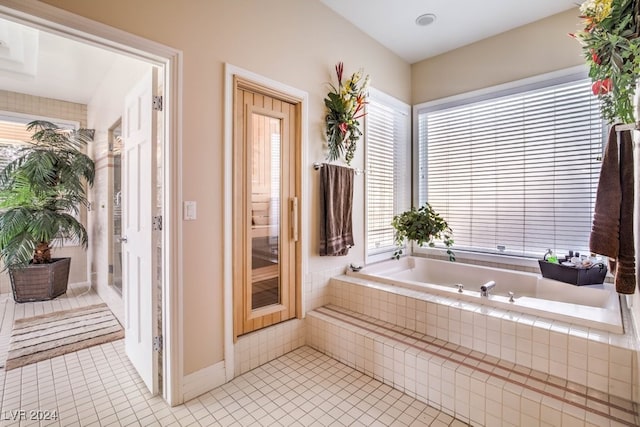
469	385
599	360
593	306
601	364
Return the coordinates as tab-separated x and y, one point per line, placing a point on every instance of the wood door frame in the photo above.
297	96
169	60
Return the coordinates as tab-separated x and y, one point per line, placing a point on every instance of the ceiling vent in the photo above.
426	19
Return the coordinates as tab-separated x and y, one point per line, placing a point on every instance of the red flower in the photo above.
339	69
343	127
595	57
602	87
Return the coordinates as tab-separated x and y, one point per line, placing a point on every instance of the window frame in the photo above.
492	92
403	108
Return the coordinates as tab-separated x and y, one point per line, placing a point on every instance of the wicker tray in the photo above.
593	275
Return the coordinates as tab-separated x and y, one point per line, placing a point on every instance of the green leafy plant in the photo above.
41	191
345	105
423	226
612	51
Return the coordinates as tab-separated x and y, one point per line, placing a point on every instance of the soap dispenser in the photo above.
549	256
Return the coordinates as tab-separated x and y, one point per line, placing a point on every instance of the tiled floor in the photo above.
98	386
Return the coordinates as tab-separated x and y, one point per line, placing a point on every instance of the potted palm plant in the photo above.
423	226
41	193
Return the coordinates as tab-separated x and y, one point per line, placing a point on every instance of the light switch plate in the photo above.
189	210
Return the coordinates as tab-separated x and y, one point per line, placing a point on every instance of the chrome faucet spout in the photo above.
486	288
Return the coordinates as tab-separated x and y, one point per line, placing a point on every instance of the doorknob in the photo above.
123	239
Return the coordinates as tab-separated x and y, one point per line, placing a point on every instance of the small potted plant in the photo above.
41	192
423	226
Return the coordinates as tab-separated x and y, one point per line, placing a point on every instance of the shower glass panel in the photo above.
265	211
116	202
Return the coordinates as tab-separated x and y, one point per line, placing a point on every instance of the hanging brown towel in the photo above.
336	205
625	268
612	232
606	219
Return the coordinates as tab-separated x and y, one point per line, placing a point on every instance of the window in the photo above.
514	173
388	178
12	135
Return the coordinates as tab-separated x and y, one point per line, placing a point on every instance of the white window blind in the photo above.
12	136
388	177
515	174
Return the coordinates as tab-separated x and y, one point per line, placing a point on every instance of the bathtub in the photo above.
594	306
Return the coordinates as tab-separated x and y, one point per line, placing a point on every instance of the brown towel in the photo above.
606	217
612	232
336	204
625	268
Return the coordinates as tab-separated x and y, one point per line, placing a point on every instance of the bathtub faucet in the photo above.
484	289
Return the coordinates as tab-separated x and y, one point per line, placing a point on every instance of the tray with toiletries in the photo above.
572	269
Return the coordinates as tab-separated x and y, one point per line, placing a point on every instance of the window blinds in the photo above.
388	178
516	174
12	135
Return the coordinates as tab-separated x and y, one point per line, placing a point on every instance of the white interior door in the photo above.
139	193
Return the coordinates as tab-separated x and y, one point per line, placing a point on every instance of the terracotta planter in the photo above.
40	282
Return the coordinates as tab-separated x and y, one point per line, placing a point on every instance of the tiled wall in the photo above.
54	109
45	107
260	347
316	289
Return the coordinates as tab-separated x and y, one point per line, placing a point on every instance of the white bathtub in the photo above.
596	306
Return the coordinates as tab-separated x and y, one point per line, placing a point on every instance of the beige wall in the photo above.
533	49
294	42
53	109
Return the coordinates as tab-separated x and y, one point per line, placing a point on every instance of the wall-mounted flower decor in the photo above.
345	105
612	50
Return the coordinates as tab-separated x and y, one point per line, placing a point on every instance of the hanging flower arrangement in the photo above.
345	105
612	51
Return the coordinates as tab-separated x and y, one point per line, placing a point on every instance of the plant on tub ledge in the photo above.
423	226
345	105
611	48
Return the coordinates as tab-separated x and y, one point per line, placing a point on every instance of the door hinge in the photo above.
157	343
157	222
157	103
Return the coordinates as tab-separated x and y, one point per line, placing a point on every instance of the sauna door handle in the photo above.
294	219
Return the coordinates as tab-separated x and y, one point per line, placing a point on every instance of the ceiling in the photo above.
42	64
458	22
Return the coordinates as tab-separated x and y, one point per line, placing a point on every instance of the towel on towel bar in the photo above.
606	218
612	233
336	205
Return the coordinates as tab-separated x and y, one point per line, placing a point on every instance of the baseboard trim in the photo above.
202	381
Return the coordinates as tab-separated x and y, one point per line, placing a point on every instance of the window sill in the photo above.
489	260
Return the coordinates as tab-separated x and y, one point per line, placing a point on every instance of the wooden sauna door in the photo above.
265	226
